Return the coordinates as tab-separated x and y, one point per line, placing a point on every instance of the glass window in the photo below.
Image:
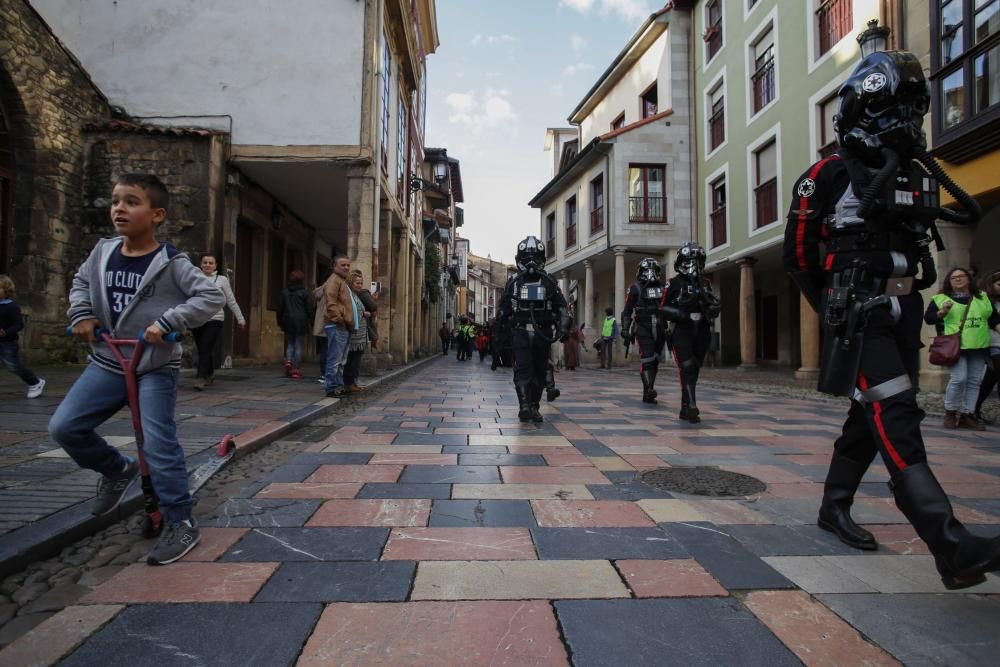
952	99
988	79
987	18
951	30
386	77
649	103
767	163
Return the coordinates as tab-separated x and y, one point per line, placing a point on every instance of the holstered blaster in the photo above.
843	324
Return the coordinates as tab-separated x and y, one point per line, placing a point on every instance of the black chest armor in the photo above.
650	297
532	300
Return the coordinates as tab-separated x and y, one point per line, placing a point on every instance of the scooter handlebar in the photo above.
171	337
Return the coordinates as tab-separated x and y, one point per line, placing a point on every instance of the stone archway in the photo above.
16	161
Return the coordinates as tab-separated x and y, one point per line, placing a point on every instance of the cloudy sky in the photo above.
505	71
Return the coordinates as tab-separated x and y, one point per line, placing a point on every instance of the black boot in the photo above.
551	390
692	403
962	559
524	413
648	393
838	495
535	397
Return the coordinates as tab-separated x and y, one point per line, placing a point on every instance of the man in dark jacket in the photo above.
295	316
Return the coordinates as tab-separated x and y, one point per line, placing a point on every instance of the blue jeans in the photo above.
94	398
964	379
293	348
336	355
10	357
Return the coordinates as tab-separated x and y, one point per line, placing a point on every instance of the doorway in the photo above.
244	286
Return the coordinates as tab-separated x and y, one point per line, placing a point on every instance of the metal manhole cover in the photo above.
702	481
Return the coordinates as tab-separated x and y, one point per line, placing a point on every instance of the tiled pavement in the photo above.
436	530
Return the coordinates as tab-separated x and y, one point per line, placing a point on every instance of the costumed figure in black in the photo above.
690	305
642	322
532	315
873	205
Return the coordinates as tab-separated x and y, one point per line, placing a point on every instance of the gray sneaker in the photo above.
177	539
111	490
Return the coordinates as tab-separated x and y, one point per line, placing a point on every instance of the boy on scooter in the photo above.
133	283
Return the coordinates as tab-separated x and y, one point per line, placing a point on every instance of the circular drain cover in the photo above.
702	481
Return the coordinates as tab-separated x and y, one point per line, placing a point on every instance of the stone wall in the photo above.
46	99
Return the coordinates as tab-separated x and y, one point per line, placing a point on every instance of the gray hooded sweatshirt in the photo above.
173	294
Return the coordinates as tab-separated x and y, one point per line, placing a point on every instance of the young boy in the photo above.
11	324
134	284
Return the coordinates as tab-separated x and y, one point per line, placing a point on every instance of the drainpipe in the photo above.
376	109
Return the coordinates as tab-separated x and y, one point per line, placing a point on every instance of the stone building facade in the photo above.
45	100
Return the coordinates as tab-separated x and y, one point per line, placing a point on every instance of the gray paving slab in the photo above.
805	540
691	631
213	634
386	490
269	545
339	582
926	629
799	511
430	439
633	490
482	513
605	544
592	448
460	474
472	449
330	458
291	473
815	574
250	513
734	566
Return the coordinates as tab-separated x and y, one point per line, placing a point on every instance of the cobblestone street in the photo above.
433	528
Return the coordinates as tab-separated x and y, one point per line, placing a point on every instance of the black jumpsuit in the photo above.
642	318
532	314
691	307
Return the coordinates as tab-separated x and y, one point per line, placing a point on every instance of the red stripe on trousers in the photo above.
829	261
800	230
893	454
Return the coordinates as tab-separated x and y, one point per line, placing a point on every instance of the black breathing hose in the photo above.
875	188
973	211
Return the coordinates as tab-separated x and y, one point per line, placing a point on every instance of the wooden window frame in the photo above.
646	217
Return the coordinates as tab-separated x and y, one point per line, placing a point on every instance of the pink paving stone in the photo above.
900	538
640	461
960	490
727	512
530	449
569	457
316	447
413	424
414	459
571	430
343	437
467	431
669	578
459	544
412	634
946	474
183	582
307	490
767	474
58	635
264	431
214	542
368	418
551	475
808	459
589	514
806	490
355	473
372	513
812	632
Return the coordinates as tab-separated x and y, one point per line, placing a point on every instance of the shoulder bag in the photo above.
945	349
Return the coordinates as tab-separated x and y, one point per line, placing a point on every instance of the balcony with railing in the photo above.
597	220
763	84
833	21
647	209
571	235
766	203
719	226
717	127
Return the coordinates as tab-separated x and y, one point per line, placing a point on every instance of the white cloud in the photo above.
628	9
578	43
490	109
573	70
556	90
476	39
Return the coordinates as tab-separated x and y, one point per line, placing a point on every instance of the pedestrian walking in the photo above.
991	287
339	321
206	337
296	311
962	308
11	324
482	344
175	296
319	335
571	348
609	331
444	333
364	307
461	331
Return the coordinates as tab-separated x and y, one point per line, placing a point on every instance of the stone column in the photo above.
748	315
619	297
361	220
588	295
808	341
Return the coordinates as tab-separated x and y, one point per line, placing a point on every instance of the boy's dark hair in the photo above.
157	192
609	311
987	284
296	277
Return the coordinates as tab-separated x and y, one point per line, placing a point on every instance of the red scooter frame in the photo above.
152	522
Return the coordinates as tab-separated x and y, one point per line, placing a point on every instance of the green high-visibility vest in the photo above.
976	333
609	327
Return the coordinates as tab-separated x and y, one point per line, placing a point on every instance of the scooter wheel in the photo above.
149	528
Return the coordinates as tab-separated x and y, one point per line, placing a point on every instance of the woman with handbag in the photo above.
963	316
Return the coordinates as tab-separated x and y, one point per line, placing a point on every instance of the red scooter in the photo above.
152	521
